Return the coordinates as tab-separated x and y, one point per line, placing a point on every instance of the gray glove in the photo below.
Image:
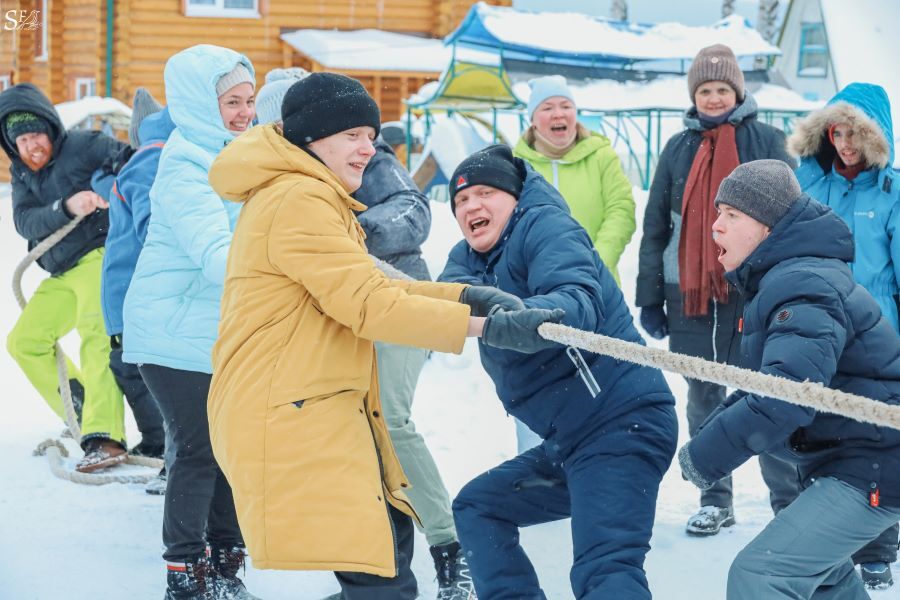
482	298
689	471
517	329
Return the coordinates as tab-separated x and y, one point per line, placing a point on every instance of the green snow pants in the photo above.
60	304
398	373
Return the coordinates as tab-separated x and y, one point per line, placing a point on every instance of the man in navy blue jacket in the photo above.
603	455
805	318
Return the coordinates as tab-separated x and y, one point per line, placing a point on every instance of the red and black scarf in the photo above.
701	276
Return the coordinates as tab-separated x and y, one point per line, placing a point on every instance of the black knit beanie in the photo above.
494	166
323	104
20	123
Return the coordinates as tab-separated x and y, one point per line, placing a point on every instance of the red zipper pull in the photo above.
875	497
741	325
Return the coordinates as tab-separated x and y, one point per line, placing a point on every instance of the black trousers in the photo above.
143	404
199	507
362	586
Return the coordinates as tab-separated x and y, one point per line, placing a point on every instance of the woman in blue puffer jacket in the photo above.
846	150
172	312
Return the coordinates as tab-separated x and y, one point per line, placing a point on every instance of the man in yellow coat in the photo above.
295	419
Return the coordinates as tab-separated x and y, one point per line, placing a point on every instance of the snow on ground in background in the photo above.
869	57
73	541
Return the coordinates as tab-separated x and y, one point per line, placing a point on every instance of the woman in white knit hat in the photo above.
586	170
582	165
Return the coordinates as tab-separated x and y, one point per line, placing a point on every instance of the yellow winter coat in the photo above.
294	414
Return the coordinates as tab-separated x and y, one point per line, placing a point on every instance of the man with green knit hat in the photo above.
51	185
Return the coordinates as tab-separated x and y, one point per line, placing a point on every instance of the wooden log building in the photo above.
77	48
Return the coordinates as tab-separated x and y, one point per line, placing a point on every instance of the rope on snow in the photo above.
54	450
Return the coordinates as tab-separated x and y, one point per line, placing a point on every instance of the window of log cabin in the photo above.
40	33
84	87
242	9
5	82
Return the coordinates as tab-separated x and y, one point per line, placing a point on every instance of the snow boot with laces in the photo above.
157	485
225	564
709	520
454	581
189	580
876	575
101	453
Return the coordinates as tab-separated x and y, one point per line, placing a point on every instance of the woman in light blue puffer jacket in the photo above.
846	152
172	312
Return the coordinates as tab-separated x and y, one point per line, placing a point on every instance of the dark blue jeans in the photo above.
607	484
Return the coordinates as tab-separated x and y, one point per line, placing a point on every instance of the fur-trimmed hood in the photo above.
864	107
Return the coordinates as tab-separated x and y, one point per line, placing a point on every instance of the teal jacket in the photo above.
172	306
870	203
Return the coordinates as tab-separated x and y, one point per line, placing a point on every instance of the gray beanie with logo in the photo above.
762	189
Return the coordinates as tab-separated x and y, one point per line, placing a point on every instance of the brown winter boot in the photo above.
101	453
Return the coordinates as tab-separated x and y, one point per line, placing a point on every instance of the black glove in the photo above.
654	322
482	298
689	471
517	329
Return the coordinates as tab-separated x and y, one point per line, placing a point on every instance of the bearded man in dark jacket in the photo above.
51	185
805	319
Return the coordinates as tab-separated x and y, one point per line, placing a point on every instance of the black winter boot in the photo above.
226	562
189	580
454	581
148	450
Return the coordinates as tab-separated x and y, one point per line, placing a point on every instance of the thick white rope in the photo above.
55	450
807	393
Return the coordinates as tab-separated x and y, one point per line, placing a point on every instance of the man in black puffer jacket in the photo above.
51	185
805	319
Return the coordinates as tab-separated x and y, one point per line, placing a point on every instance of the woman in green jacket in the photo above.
582	165
586	170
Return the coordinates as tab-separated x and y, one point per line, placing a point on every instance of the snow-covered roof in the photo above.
864	46
664	93
375	50
75	112
583	39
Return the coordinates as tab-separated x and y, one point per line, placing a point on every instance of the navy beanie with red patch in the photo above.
494	166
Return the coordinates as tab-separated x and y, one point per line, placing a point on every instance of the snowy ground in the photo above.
62	540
